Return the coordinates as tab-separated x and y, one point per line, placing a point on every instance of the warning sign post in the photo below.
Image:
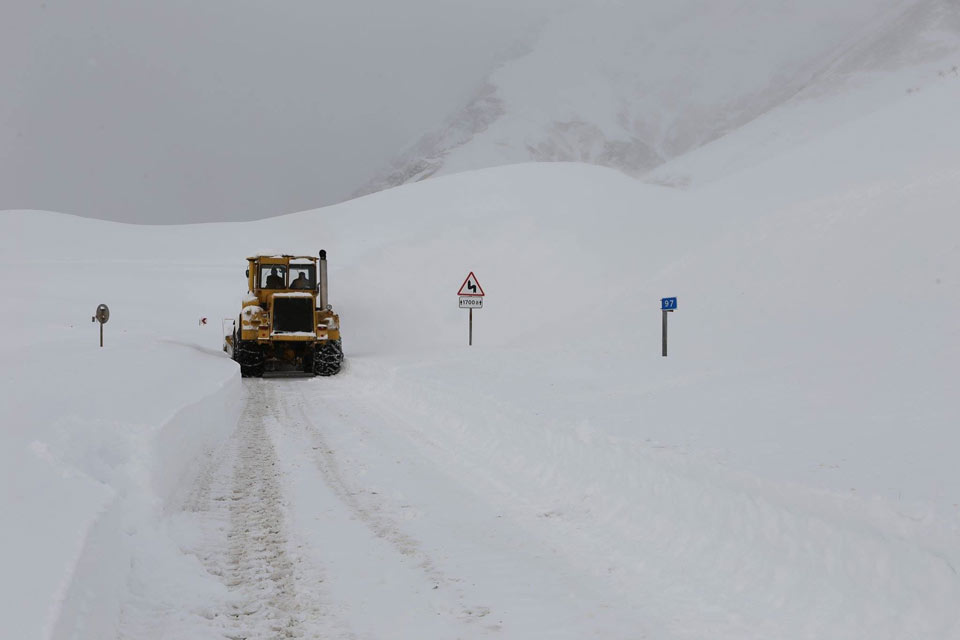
471	297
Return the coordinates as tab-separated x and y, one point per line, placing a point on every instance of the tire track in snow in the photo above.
258	564
369	509
329	467
245	543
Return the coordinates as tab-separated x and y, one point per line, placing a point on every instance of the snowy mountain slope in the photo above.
632	85
917	51
787	472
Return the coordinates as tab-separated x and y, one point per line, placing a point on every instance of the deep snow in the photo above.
789	471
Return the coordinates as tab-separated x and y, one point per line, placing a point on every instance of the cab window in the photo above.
273	276
303	276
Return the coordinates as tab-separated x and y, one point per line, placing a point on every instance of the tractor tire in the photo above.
251	359
327	358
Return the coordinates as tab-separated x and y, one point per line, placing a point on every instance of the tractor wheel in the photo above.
327	358
251	359
251	370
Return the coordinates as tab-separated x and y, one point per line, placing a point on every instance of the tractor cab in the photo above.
280	273
286	323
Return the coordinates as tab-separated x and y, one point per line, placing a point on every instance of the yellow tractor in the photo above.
286	324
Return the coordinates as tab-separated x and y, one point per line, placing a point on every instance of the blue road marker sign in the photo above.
668	303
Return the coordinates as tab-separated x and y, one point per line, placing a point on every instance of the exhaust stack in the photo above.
323	280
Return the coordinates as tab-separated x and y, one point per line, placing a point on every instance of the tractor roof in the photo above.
282	257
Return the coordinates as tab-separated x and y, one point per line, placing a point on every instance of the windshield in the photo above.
273	276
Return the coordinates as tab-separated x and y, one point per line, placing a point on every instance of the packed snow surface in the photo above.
788	471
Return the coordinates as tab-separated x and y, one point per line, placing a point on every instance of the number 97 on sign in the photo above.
668	304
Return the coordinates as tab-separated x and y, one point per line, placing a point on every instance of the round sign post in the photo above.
101	316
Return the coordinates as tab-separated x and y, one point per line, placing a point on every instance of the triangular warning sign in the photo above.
471	287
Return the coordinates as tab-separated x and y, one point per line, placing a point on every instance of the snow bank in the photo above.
95	441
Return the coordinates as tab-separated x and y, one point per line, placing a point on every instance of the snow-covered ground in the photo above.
789	471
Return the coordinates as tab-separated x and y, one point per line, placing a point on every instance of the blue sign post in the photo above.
667	305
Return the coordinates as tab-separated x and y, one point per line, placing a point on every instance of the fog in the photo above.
185	111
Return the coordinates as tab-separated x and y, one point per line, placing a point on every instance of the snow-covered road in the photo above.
319	519
338	509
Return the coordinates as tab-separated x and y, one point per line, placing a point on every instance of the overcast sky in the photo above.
170	111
